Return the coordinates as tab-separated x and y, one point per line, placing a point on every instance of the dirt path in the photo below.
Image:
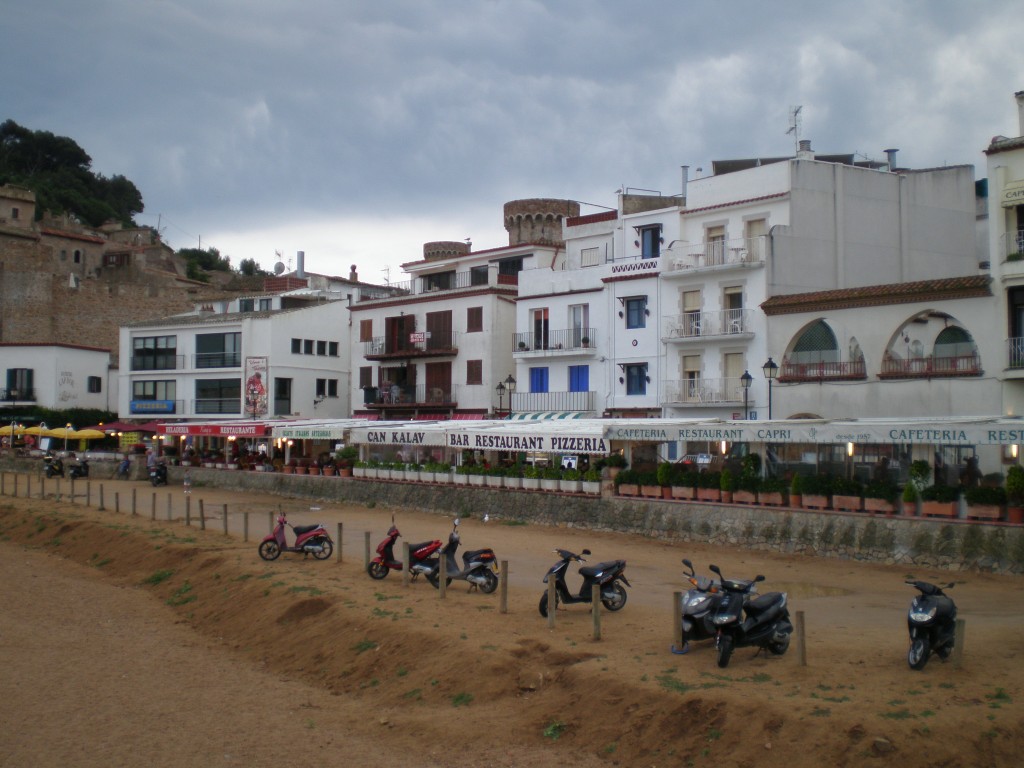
223	658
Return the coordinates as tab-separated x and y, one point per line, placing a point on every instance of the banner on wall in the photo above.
256	386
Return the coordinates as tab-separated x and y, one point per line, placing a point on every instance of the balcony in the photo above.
822	370
929	367
739	253
18	395
553	401
418	344
168	362
221	405
411	396
569	340
217	360
701	325
440	283
704	391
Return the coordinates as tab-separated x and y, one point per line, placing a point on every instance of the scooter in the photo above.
158	474
765	625
932	624
53	466
309	540
607	574
123	468
79	469
699	604
478	566
421	556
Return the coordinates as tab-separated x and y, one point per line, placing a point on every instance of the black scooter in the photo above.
53	466
80	469
607	574
478	566
158	474
765	625
699	604
932	624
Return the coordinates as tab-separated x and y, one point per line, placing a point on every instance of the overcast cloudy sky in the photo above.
356	131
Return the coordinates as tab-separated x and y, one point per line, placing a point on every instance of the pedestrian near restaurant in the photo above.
188	482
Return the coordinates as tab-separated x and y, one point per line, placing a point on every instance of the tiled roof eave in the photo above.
821	302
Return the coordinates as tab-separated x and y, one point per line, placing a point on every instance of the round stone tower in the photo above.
444	249
538	220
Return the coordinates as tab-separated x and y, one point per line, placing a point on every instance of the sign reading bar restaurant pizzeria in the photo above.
526	442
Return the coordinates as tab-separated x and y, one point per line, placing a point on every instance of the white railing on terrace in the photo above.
723	322
1015	352
1013	246
704	391
715	253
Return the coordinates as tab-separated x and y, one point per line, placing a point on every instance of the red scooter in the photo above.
309	540
422	557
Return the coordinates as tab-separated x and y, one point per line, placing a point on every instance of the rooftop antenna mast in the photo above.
387	275
794	126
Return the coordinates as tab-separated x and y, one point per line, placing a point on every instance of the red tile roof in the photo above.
880	295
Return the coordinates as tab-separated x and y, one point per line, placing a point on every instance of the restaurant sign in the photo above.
523	442
252	429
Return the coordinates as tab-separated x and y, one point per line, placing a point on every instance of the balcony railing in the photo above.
925	367
565	339
18	395
1013	246
168	362
704	391
553	401
411	396
232	405
822	370
716	253
431	343
1015	352
439	283
217	360
722	322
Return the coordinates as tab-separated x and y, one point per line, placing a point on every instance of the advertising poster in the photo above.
255	386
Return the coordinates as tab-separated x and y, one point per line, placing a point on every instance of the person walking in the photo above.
188	482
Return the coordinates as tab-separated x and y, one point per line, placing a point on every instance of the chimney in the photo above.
891	154
300	264
1019	95
353	276
686	180
805	152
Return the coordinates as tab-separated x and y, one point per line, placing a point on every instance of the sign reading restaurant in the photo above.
538	443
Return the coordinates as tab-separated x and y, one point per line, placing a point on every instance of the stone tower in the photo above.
538	220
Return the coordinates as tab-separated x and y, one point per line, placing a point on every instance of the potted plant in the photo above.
985	502
522	346
359	469
881	496
290	466
592	481
910	499
627	483
531	477
847	495
648	482
796	491
514	476
727	484
747	488
462	474
549	477
494	477
373	469
613	464
940	501
709	486
816	491
1015	494
665	473
684	482
585	341
772	492
570	481
346	459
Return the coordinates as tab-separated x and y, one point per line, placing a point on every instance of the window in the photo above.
307	346
246	305
93	384
15	213
538	379
474	320
332	349
19	384
366	330
474	371
511	266
636	312
332	387
579	378
579	322
441	281
296	346
154	390
691	378
714	246
218	350
282	397
817	344
540	328
321	348
590	257
266	305
218	396
757	231
365	376
154	353
636	379
733	301
321	387
650	242
78	257
691	313
478	275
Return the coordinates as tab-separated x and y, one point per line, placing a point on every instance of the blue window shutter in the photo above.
538	379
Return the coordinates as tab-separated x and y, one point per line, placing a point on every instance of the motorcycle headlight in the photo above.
722	618
916	614
693	602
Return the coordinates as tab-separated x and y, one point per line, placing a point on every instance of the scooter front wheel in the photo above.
920	650
270	550
614	597
543	607
377	570
327	549
726	643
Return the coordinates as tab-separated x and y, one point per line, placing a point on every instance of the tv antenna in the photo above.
794	126
387	275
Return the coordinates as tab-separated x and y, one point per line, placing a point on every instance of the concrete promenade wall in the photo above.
927	543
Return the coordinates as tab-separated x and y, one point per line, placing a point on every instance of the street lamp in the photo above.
771	371
508	385
745	381
67	428
500	389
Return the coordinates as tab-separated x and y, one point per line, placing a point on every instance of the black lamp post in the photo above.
771	371
500	389
745	381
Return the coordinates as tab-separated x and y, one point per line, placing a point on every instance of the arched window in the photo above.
954	342
817	344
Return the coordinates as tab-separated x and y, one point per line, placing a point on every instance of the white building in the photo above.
257	357
57	376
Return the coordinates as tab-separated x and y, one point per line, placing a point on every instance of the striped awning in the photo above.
547	415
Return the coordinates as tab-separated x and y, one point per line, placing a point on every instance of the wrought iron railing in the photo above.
715	253
217	359
822	370
18	394
723	322
433	342
566	338
412	395
704	391
231	405
553	401
960	365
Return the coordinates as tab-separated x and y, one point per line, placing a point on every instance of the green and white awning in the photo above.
547	415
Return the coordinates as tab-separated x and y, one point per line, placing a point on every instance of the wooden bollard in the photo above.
72	494
406	559
152	510
169	513
366	550
245	526
117	502
202	516
801	639
677	622
134	508
959	633
88	493
225	519
58	489
101	507
552	602
339	541
42	487
188	510
595	609
442	583
503	587
28	486
270	521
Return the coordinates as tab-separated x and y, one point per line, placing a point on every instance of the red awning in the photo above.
236	429
124	426
367	416
468	416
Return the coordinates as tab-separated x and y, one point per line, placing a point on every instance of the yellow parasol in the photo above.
62	433
37	431
87	434
6	431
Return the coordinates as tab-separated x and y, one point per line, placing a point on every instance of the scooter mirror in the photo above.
585	552
715	569
759	577
456	522
687	563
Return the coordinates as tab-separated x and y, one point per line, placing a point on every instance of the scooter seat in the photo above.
593	570
421	545
762	603
300	529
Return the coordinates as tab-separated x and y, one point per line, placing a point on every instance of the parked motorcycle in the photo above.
309	540
158	474
699	604
932	624
478	567
744	621
79	469
53	466
608	574
422	556
123	468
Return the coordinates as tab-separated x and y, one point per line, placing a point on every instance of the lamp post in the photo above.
67	428
500	389
510	385
745	381
771	371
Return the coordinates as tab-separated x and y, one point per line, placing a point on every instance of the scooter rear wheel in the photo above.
377	571
725	648
327	549
920	650
490	583
617	600
270	550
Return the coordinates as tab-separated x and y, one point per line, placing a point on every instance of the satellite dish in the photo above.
279	268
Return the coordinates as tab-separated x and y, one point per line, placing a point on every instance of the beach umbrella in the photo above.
17	430
38	431
87	434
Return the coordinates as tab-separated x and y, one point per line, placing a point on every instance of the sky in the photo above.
357	131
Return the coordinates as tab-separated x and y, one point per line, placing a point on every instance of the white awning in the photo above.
547	415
